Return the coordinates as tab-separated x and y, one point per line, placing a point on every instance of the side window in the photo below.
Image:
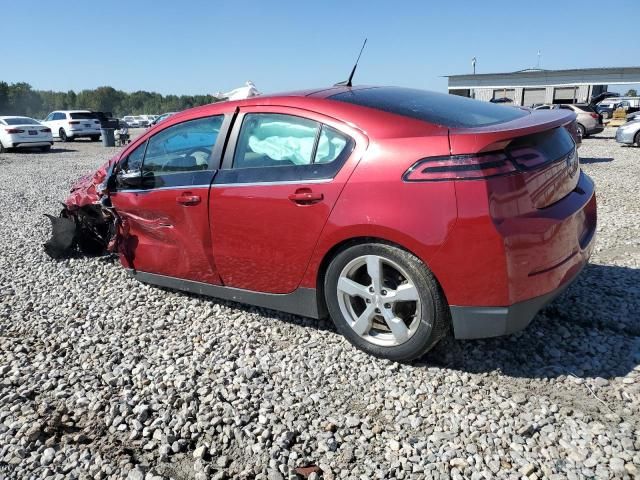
330	145
185	147
270	140
49	117
59	116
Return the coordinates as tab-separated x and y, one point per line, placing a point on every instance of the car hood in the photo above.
85	191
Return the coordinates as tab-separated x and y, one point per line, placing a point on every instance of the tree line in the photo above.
21	99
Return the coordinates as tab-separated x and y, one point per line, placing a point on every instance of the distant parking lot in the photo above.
104	377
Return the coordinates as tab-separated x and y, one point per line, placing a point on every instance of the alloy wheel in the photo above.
379	300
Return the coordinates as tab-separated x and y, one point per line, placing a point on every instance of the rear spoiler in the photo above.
478	139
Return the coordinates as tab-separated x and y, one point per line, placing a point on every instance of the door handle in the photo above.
187	199
304	196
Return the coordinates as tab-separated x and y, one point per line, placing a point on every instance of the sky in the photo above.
199	46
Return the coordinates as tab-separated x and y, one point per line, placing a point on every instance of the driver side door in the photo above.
161	195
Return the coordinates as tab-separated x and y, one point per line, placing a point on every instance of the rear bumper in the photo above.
84	133
544	255
39	143
485	322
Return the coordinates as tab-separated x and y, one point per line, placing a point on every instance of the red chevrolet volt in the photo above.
400	213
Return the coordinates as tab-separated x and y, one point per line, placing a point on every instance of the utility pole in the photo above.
539	56
473	63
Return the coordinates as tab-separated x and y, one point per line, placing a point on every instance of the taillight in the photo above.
45	130
595	115
460	167
74	122
13	130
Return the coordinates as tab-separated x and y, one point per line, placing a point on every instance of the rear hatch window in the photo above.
586	108
83	116
437	108
549	164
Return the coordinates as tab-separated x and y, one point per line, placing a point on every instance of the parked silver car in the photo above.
589	121
629	133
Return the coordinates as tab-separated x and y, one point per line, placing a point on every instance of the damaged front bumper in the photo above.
90	230
87	224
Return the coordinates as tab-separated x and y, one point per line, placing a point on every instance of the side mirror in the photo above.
131	179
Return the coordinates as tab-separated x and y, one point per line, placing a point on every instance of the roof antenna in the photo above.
347	83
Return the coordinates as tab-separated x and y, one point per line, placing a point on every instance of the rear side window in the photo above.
274	147
432	107
275	140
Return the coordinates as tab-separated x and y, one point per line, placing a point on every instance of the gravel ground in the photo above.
103	377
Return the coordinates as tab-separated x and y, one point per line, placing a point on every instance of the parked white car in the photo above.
67	125
149	119
24	132
130	121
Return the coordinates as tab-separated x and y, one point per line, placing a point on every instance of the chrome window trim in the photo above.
283	182
216	185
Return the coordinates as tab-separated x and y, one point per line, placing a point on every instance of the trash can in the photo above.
108	137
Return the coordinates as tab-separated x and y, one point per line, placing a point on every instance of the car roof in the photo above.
16	116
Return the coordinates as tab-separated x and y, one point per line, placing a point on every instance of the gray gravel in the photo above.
103	377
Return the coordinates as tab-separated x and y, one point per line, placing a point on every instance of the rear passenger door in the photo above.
282	174
161	194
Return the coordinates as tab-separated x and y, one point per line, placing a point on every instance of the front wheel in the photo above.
385	301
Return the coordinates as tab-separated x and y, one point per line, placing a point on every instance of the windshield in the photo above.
20	121
82	115
432	107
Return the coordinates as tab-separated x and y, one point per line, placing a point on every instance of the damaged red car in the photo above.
399	213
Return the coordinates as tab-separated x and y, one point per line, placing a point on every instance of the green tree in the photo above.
631	93
21	99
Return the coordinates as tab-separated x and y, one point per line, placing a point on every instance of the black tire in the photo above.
2	149
95	138
636	139
582	131
64	137
45	149
434	313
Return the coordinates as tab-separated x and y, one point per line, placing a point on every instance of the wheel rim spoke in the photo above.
374	269
353	289
363	324
404	293
397	326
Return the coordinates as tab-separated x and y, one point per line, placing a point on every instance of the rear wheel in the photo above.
582	131
385	301
636	139
64	137
2	149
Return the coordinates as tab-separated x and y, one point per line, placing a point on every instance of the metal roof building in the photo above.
536	86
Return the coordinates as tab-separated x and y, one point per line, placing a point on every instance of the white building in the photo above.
536	86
